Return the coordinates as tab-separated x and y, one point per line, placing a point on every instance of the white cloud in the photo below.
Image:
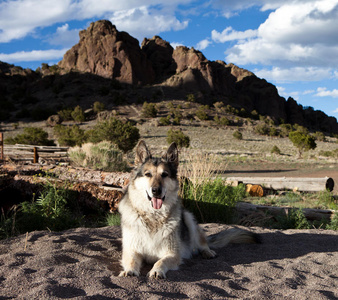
21	18
229	34
35	55
141	22
298	33
294	74
323	92
64	37
335	111
203	44
308	92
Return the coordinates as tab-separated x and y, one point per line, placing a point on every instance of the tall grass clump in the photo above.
209	199
103	156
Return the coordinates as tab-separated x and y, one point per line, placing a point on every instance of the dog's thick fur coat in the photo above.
155	227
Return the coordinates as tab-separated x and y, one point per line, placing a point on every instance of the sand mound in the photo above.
83	263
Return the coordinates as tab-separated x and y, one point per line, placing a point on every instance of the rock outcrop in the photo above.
107	52
104	53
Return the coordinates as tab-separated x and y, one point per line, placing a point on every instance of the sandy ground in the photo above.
83	264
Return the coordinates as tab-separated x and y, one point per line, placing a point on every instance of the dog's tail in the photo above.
233	235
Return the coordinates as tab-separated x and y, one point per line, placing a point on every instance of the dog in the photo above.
156	229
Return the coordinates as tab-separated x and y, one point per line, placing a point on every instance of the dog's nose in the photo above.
157	191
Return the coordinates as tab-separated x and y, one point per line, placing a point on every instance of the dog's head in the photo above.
157	177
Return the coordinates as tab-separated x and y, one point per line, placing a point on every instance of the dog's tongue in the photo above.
157	202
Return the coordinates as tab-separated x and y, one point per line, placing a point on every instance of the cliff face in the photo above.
104	51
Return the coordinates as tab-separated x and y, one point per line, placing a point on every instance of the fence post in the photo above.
36	156
1	146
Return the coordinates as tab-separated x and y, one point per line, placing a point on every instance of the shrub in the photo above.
164	121
319	136
102	156
237	135
66	114
69	135
212	201
50	210
275	150
191	98
302	141
124	135
98	106
219	106
179	138
333	153
78	114
222	121
201	112
31	136
149	110
262	129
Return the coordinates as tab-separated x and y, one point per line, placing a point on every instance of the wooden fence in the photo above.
34	153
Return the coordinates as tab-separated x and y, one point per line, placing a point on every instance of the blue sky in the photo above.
291	43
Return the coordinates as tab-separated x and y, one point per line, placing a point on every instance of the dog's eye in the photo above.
147	174
164	174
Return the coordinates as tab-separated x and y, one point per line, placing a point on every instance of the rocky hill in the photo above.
106	59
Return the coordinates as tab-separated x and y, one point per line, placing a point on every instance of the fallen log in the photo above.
292	183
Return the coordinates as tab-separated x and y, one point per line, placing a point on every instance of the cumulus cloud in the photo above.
203	44
301	33
229	34
141	22
323	92
21	18
64	36
35	55
278	74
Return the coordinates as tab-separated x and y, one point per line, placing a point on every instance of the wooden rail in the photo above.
33	153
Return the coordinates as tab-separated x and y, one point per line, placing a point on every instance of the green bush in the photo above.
275	150
69	135
302	141
51	210
212	201
262	129
149	110
66	114
179	138
113	219
98	106
164	121
319	136
201	112
295	219
78	114
237	135
222	121
31	136
333	153
102	156
124	135
191	98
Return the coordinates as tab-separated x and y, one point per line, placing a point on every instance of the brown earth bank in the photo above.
83	263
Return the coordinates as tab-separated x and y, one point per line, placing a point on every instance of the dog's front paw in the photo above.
208	253
129	273
157	274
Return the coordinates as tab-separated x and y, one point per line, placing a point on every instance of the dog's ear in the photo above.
142	153
172	155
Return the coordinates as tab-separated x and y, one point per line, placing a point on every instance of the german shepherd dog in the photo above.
156	229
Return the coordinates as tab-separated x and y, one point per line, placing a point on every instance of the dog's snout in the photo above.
157	191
